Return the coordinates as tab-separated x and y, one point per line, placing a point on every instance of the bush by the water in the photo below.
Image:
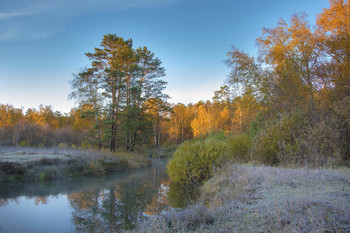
195	160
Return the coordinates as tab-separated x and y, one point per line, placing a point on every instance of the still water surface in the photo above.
87	204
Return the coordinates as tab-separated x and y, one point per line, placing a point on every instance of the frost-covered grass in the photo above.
23	158
28	153
264	199
50	163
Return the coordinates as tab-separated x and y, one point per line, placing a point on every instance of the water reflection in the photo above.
91	204
180	196
40	200
117	207
159	201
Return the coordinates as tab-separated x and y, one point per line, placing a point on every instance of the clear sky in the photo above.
42	42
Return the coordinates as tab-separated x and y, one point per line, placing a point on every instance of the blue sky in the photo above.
42	42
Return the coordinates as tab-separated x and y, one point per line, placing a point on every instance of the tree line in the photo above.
293	98
160	123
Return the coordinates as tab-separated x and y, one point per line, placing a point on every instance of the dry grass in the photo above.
265	199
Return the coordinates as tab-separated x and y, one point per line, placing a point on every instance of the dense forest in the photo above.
291	103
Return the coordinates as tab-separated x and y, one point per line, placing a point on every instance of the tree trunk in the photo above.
112	145
155	134
113	120
98	129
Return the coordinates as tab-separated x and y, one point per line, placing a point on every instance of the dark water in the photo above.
106	204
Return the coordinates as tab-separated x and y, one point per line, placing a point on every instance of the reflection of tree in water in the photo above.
116	207
159	201
4	202
40	200
85	207
109	204
180	195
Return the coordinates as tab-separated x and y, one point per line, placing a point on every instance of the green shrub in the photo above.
237	147
278	141
194	161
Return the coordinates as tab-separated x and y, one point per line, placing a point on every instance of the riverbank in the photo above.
243	198
111	203
19	164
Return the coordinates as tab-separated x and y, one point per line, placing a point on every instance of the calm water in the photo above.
87	204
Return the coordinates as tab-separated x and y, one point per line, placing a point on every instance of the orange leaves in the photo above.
225	120
335	19
285	42
333	28
9	115
180	123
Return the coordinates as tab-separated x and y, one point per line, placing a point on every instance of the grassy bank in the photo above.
45	164
243	198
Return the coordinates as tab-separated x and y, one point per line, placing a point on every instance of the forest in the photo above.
290	103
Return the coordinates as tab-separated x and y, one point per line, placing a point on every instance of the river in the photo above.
87	204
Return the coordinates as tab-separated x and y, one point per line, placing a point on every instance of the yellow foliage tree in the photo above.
180	123
246	109
204	122
9	115
333	28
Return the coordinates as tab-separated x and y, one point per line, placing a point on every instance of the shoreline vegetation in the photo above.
24	163
238	191
246	198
